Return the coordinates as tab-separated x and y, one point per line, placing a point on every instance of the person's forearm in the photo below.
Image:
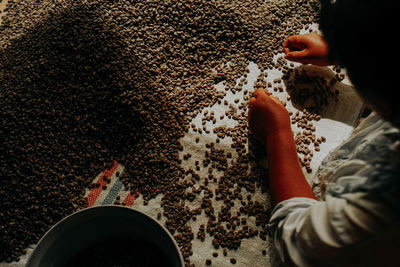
286	177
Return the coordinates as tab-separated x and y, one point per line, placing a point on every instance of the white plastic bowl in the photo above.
77	231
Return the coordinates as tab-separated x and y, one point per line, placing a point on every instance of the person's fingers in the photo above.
289	41
252	101
276	100
305	60
286	48
298	54
260	93
294	43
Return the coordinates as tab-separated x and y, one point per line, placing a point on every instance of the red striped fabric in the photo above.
95	192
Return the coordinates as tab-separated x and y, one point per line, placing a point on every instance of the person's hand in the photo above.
267	115
310	48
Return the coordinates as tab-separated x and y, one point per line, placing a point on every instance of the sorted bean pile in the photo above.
84	83
311	91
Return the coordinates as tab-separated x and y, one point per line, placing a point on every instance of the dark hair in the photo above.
362	38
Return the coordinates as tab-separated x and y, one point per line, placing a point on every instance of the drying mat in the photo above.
337	123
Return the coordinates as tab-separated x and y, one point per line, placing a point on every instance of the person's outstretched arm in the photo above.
269	121
310	48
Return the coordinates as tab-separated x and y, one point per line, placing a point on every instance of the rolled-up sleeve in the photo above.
307	232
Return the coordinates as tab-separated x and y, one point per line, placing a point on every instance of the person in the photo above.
355	220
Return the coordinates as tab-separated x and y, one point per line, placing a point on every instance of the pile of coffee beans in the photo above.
84	83
312	92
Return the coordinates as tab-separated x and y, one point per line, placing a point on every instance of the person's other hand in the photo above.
267	115
310	48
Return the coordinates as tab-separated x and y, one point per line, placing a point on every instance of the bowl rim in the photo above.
108	206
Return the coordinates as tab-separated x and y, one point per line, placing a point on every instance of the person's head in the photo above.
362	38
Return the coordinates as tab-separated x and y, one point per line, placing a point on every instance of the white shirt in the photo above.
356	223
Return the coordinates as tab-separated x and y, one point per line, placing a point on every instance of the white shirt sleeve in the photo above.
308	232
